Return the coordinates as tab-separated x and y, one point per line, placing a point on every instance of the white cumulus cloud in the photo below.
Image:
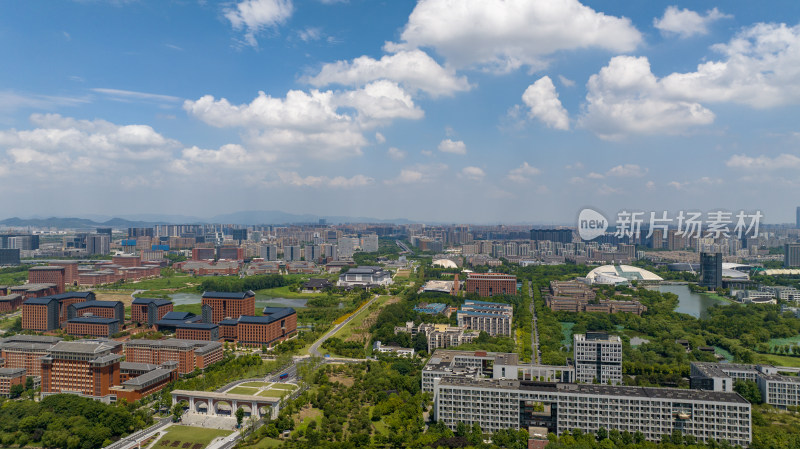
396	153
763	162
254	15
523	173
626	98
452	146
505	34
413	69
542	99
686	23
627	171
473	173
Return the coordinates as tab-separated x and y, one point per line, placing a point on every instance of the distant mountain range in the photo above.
146	220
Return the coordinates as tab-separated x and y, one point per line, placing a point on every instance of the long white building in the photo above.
509	403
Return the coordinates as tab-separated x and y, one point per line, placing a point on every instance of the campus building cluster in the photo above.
779	386
490	317
575	296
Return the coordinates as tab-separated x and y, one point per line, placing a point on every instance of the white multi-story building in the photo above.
497	404
364	276
776	389
292	253
347	246
598	358
312	253
491	317
369	243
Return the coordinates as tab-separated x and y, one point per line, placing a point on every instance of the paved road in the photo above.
134	439
536	354
314	350
403	246
136	292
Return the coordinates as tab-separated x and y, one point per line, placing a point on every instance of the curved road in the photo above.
314	350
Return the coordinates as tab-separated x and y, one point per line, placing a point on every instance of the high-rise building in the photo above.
87	368
292	253
797	218
791	256
312	253
269	252
98	244
347	246
598	358
369	243
553	235
657	239
675	241
711	270
9	257
239	235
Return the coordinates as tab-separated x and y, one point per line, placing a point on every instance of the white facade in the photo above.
364	276
598	358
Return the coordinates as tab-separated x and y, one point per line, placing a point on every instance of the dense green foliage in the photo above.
237	284
67	422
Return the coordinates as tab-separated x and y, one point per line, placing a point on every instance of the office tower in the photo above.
269	252
98	244
711	270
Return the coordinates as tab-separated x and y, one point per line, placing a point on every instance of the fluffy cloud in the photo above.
627	171
506	34
523	173
414	69
686	23
310	122
472	173
542	99
255	15
62	145
452	146
417	174
626	98
296	180
396	153
760	69
763	162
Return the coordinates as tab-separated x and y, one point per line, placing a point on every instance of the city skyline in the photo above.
398	109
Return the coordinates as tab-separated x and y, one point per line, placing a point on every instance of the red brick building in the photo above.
70	270
24	351
149	310
87	368
204	253
41	314
34	290
127	261
10	303
197	331
48	275
490	284
277	324
145	384
230	253
229	305
103	309
189	354
10	377
92	326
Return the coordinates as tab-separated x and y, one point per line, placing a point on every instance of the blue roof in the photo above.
177	316
203	326
157	301
93	320
228	322
229	295
104	304
70	295
467	312
485	307
271	314
44	300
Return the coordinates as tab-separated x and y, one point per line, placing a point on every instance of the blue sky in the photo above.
443	110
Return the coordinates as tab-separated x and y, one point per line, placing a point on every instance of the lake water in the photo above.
690	302
195	298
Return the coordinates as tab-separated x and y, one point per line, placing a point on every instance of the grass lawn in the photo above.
193	435
272	393
784	341
173	282
254	384
267	443
566	333
289	387
193	308
243	390
778	360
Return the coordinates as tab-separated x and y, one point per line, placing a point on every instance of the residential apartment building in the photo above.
497	404
149	310
229	305
25	351
104	309
269	252
47	275
490	317
276	325
490	284
93	326
189	354
10	377
598	358
439	336
85	368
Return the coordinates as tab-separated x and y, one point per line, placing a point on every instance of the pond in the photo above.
261	302
689	302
